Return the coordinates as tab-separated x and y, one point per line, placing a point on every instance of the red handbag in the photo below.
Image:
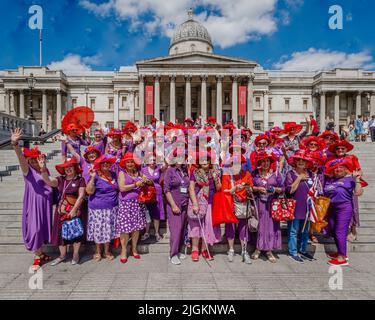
147	194
223	209
283	209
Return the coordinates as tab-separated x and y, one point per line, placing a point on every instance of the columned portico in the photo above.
116	109
44	111
250	102
157	96
265	111
22	104
58	109
322	111
141	100
358	104
7	102
372	104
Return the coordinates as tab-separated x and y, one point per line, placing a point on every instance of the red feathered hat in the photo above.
290	126
333	164
306	141
189	120
31	153
211	120
300	154
329	133
114	132
262	137
265	155
102	159
90	149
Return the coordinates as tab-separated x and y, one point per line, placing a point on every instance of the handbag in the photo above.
72	229
321	206
202	205
253	221
283	209
223	208
147	194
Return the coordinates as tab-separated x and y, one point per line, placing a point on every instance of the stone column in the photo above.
219	99
188	96
322	111
265	111
141	100
12	103
204	97
58	109
337	112
172	97
250	102
213	102
22	104
116	109
157	97
314	104
44	111
372	104
132	105
358	105
235	99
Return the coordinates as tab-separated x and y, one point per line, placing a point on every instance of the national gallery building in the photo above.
190	81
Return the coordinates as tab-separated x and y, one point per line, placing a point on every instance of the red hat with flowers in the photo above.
31	153
260	156
91	149
312	139
292	126
333	164
300	154
262	137
114	132
103	159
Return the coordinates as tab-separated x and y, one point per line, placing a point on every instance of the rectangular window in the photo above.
74	102
257	102
123	103
270	104
271	124
258	125
109	125
110	104
305	102
92	103
122	124
287	104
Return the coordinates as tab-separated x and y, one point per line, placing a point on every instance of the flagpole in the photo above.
40	47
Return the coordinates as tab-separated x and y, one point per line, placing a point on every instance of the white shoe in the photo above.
175	260
230	255
57	261
182	256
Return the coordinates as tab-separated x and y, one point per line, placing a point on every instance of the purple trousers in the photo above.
339	218
230	230
177	225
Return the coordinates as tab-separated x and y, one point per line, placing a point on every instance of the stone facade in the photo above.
191	81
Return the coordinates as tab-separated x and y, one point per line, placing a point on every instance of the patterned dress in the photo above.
132	214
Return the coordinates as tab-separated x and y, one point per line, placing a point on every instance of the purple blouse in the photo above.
174	180
133	193
340	190
106	194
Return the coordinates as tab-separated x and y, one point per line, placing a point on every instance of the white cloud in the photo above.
229	22
320	59
74	62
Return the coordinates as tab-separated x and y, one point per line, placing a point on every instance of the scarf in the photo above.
202	180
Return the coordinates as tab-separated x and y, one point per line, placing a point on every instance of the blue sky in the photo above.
108	34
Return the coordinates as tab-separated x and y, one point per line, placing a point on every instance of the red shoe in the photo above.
335	262
195	255
207	256
124	260
45	258
136	256
36	265
335	255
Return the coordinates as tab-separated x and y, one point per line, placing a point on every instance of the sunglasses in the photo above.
107	162
262	143
313	144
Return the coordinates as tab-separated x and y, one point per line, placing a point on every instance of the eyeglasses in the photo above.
107	162
341	148
313	144
263	143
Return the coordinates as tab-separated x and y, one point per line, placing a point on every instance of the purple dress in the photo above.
101	145
211	233
71	189
132	214
36	212
269	232
103	209
340	211
117	153
156	209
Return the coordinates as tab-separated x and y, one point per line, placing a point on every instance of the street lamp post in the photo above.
31	83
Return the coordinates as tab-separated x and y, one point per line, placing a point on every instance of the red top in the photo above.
314	126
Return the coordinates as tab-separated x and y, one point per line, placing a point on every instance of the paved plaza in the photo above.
153	277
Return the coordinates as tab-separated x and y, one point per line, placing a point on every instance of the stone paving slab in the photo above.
153	277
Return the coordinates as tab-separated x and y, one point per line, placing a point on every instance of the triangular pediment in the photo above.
194	58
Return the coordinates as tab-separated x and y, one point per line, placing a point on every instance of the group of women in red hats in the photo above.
112	192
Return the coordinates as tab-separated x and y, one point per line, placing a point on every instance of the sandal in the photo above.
271	257
145	237
207	255
314	239
97	257
255	255
57	261
158	237
109	256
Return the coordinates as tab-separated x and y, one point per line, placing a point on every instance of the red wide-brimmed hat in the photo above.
289	126
300	154
128	157
229	126
102	159
154	120
60	168
329	133
211	120
262	137
246	132
333	164
31	153
189	120
260	156
114	132
277	130
341	143
130	127
306	141
82	116
317	157
91	149
72	127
